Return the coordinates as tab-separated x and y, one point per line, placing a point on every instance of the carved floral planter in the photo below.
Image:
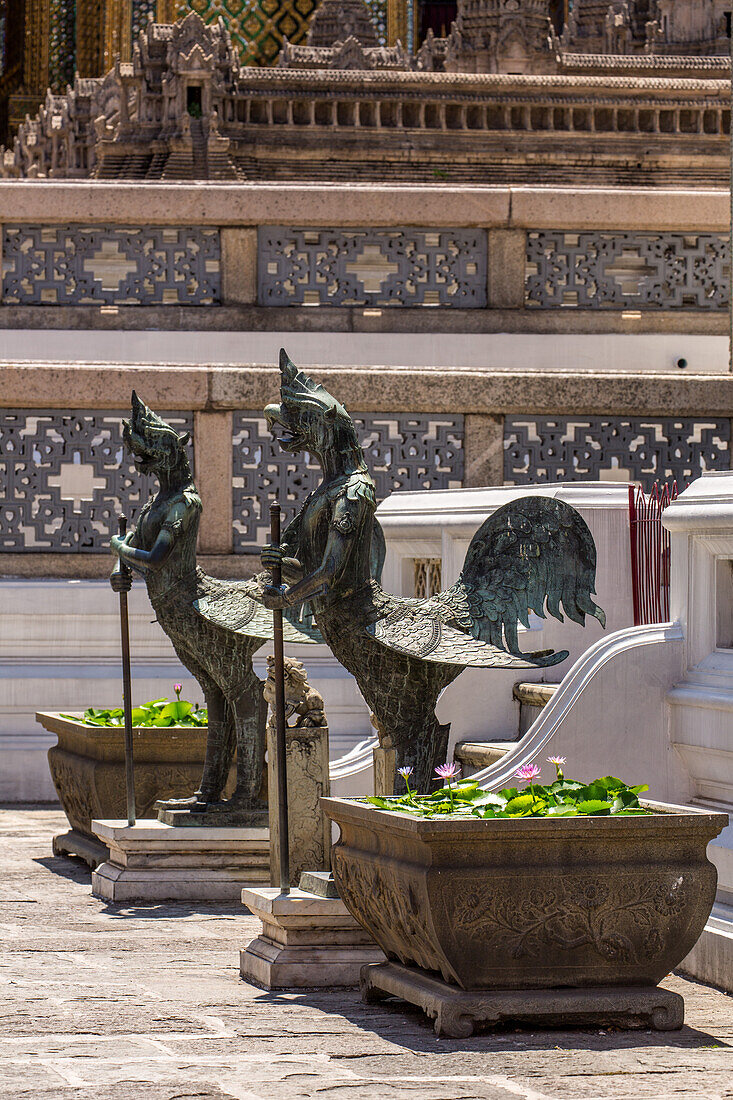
88	770
529	903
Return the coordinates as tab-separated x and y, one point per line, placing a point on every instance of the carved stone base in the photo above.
456	1011
213	819
307	940
152	862
73	843
308	827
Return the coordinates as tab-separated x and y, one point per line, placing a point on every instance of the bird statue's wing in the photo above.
236	605
418	635
233	607
532	553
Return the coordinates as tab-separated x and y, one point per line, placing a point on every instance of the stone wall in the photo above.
608	358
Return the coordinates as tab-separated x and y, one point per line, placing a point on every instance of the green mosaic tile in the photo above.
141	11
257	27
62	43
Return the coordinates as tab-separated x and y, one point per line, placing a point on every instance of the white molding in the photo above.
580	676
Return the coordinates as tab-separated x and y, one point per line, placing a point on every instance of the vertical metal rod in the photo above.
127	690
282	748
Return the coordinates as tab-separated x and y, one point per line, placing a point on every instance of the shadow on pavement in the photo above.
408	1026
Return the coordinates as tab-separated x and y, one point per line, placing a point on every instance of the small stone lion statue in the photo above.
300	698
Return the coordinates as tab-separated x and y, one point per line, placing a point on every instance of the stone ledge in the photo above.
379	204
432	390
360	319
98	566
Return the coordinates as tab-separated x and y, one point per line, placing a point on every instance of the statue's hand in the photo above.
116	543
271	556
121	580
274	598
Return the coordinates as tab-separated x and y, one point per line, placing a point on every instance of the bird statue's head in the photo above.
154	445
307	417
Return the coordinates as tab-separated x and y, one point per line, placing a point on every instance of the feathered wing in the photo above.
235	607
413	633
532	553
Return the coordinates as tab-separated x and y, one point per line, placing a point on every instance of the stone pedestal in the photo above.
151	861
306	940
308	827
457	1011
384	771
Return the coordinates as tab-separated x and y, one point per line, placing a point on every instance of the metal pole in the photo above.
127	689
281	763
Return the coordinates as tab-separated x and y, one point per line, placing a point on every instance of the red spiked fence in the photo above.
650	552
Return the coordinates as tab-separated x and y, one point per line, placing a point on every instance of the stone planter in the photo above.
529	904
88	770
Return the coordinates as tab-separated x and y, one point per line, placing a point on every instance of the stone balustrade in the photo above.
483	103
66	476
503	255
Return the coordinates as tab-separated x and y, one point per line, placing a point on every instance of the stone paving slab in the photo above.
107	1002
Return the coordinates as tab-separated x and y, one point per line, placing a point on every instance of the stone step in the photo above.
534	695
481	754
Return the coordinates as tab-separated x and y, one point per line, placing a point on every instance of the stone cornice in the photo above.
363	204
643	61
485	83
383	389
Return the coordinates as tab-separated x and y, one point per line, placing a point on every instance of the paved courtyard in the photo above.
109	1003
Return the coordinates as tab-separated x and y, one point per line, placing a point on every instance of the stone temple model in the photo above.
215	626
403	652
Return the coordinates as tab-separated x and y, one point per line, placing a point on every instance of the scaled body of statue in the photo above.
215	626
403	652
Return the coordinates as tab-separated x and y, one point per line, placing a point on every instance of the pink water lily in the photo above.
447	771
528	771
178	688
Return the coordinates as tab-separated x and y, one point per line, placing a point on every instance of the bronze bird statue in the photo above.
531	554
215	626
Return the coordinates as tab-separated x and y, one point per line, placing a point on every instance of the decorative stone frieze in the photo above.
631	270
597	448
403	452
372	267
66	478
79	264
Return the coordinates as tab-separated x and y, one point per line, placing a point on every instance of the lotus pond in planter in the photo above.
88	765
565	887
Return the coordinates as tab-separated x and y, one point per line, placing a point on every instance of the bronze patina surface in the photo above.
215	626
530	554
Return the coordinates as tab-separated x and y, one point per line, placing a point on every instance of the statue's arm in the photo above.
344	525
145	561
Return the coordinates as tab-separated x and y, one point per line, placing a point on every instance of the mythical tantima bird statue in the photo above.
215	626
531	554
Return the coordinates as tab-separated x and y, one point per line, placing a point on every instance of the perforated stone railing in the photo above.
66	477
78	264
597	448
377	267
628	270
403	453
